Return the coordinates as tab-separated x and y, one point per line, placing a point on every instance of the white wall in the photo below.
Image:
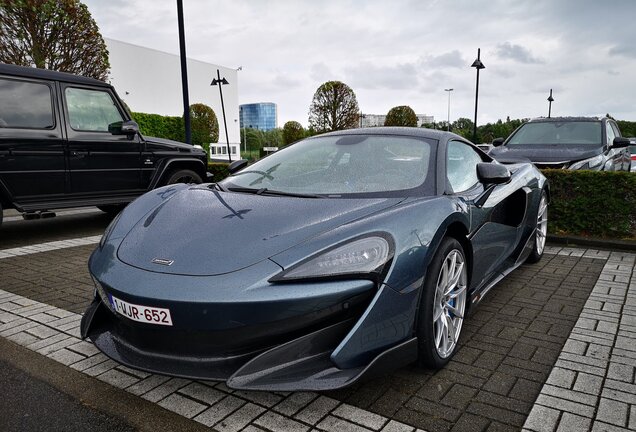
149	81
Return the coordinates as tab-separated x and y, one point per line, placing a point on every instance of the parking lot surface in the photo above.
552	347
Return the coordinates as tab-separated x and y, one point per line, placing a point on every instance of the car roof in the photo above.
45	74
566	119
417	132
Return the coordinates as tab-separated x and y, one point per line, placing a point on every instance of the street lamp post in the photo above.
449	90
550	100
477	64
221	82
184	73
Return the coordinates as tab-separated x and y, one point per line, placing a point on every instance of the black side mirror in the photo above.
129	128
492	173
237	165
497	142
620	142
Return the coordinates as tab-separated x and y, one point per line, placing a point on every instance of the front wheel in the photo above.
442	305
183	176
540	231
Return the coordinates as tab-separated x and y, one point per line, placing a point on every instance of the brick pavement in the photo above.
507	352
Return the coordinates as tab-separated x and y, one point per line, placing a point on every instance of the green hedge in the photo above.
219	170
593	204
155	125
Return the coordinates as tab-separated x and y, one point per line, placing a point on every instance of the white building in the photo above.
149	81
373	120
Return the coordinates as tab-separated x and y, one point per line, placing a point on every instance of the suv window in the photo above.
91	110
461	166
610	133
25	105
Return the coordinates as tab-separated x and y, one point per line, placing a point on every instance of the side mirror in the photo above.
129	128
620	142
237	165
492	173
497	142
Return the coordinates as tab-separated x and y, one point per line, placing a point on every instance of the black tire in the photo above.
540	231
111	209
434	353
183	176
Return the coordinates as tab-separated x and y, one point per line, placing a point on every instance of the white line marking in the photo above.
49	246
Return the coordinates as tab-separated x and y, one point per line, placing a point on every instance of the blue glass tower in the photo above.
262	116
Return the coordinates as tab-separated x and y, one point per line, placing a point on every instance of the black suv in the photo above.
588	143
68	141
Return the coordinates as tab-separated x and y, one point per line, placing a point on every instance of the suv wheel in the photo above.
183	176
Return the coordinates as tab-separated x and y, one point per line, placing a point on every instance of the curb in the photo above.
626	245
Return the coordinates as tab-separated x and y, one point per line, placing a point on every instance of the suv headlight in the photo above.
364	257
594	163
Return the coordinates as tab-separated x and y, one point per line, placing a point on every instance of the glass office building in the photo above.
262	116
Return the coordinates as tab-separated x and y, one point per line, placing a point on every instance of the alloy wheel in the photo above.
542	225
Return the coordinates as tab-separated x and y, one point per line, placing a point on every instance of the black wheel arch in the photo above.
173	165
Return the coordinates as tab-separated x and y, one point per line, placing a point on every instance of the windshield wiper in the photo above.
218	186
266	191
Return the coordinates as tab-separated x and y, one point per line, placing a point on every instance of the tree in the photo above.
52	34
292	132
334	107
401	116
463	127
204	125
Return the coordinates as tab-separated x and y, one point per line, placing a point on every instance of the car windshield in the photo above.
566	132
342	166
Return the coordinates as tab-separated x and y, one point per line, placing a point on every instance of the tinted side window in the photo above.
25	104
610	133
461	166
91	110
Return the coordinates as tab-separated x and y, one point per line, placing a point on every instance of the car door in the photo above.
100	163
32	164
494	234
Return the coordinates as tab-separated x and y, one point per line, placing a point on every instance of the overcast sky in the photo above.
404	52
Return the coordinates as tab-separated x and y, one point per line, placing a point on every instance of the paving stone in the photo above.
294	403
395	426
573	423
117	379
219	410
202	392
335	424
562	377
277	423
146	384
316	410
65	356
240	418
182	405
570	395
163	390
542	419
587	383
362	417
613	412
565	405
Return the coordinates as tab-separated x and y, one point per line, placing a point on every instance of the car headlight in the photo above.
364	257
108	230
592	163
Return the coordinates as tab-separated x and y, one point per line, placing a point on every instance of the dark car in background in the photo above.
566	143
68	141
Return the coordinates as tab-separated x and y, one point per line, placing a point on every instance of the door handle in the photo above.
79	154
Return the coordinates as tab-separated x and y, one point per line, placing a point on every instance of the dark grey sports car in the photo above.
340	256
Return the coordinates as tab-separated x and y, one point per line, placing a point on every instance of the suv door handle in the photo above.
79	154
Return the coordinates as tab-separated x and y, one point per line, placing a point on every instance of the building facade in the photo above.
149	81
262	116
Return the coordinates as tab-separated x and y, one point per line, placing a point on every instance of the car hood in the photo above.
205	232
544	153
176	145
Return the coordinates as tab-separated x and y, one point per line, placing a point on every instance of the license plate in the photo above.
145	314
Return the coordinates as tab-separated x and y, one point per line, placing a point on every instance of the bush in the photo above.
591	203
219	170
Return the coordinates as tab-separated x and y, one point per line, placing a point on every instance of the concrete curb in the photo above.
610	244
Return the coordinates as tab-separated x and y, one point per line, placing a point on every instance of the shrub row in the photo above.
594	204
218	170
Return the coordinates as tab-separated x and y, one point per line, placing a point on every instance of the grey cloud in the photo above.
516	53
624	49
452	59
320	72
369	76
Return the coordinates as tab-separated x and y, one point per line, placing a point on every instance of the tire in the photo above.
540	231
111	209
442	303
183	176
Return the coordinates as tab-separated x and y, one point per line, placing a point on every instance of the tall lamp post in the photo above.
184	73
477	64
550	100
221	82
449	90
